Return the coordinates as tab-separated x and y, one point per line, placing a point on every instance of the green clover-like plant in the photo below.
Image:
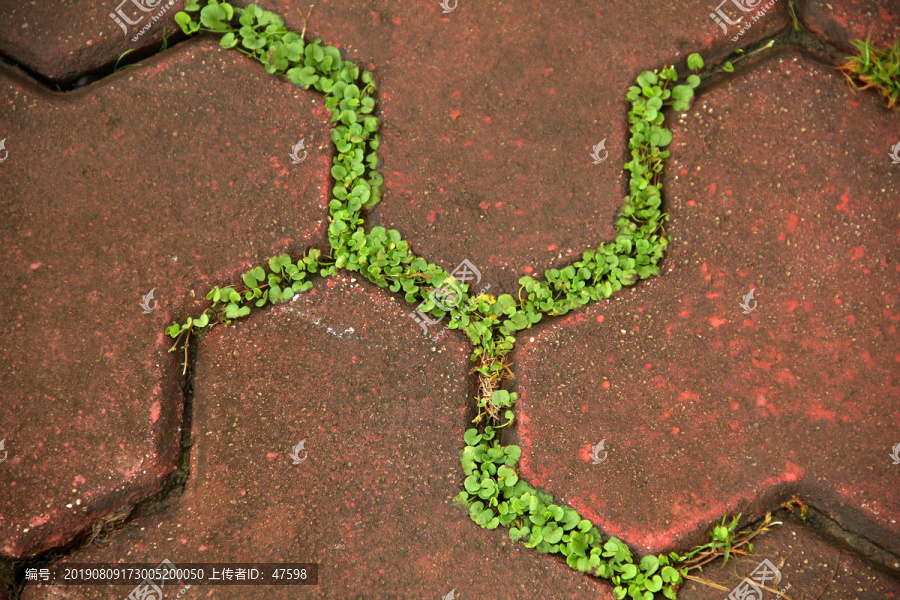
493	491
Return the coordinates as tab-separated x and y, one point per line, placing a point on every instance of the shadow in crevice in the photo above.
127	59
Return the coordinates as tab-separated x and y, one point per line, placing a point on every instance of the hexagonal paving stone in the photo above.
841	21
66	40
779	183
382	412
168	177
490	112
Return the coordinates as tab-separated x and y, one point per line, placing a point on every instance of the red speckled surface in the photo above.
841	21
162	178
779	181
65	39
382	411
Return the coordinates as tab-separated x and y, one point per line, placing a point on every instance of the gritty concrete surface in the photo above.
779	182
159	179
489	123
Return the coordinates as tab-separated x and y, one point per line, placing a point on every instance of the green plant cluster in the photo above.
283	280
494	496
639	245
383	257
380	255
721	540
641	241
493	492
493	404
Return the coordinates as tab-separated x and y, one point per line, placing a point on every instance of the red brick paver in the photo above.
174	176
779	182
161	178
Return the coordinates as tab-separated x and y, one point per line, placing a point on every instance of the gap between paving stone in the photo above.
383	19
343	522
813	565
74	43
175	488
92	75
304	230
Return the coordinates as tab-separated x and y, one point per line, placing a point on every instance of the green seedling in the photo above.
117	68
